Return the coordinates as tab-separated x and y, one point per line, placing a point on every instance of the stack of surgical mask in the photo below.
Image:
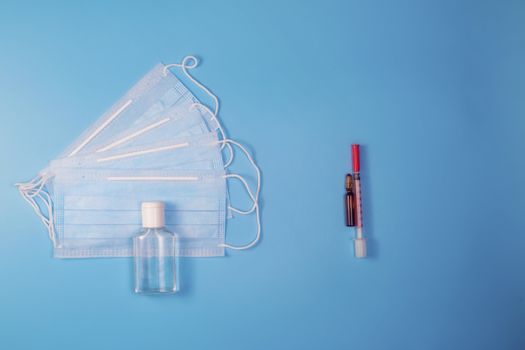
157	143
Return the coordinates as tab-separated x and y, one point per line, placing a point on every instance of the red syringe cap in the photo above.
355	158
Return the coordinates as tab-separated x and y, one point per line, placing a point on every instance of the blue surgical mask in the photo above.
72	196
154	93
96	213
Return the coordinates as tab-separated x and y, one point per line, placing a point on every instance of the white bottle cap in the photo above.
153	214
360	247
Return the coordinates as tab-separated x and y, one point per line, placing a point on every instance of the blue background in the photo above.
434	90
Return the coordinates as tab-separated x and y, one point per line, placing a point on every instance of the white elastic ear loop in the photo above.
28	186
185	66
51	217
27	191
38	186
257	170
35	189
35	207
248	190
52	220
256	239
219	127
47	221
257	217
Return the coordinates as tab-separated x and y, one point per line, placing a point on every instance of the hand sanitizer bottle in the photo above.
155	251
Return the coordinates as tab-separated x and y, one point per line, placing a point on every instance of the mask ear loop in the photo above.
35	207
220	128
27	190
254	198
35	189
185	65
257	170
28	186
257	216
51	217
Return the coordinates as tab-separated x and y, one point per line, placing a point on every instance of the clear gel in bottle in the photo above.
155	251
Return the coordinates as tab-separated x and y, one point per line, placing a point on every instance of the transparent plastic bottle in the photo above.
155	252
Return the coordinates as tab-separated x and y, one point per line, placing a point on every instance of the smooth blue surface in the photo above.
434	90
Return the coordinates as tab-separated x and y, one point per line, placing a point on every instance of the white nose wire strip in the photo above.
143	152
257	217
221	130
153	178
133	135
101	127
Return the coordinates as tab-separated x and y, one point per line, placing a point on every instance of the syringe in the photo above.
359	241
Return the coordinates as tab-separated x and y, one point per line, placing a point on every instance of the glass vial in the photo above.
350	201
155	252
